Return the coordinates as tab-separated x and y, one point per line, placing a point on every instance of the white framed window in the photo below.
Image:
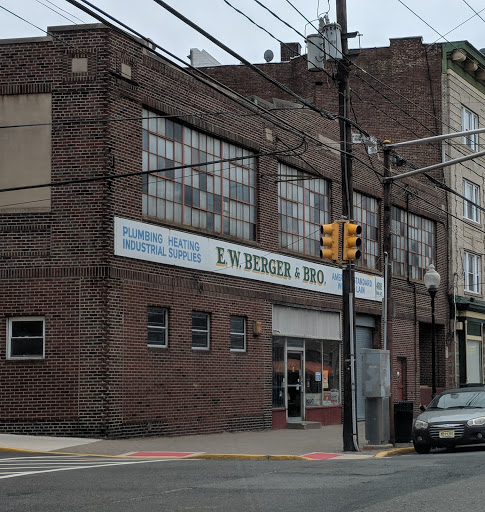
472	193
157	327
237	333
472	272
26	338
469	121
200	331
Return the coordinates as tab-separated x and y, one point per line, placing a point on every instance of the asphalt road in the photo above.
440	481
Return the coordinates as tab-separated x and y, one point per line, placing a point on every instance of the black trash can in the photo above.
403	421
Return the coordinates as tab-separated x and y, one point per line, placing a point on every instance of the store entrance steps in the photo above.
303	425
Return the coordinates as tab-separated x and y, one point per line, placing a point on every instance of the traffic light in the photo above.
352	241
329	241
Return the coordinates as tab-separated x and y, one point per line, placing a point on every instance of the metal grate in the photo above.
434	430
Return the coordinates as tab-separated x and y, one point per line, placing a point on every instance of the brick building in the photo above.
408	91
190	298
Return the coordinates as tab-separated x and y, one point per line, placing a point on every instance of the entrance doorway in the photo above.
294	385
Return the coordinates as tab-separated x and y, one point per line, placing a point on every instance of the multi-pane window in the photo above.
421	245
472	270
25	337
220	198
200	330
469	121
303	204
413	241
472	193
237	333
157	327
366	213
398	242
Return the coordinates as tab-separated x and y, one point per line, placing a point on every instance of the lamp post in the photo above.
432	281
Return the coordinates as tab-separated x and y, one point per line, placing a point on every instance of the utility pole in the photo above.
350	437
387	249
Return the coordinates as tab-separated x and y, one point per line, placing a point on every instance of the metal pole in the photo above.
435	138
352	376
387	249
384	305
441	165
433	346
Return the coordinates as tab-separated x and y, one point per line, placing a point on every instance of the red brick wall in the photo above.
99	377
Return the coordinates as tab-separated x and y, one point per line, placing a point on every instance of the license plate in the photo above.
447	434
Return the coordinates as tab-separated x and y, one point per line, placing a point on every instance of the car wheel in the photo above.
422	448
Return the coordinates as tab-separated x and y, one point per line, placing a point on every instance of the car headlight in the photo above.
476	422
420	424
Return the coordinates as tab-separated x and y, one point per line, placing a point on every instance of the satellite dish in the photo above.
268	55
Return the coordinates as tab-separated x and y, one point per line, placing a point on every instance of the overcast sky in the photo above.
376	20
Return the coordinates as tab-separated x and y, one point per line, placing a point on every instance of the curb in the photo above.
53	452
395	451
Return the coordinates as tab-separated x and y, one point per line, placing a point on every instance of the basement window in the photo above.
26	338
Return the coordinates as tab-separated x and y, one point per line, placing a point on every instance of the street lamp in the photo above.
432	281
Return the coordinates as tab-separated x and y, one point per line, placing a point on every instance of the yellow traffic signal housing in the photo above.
329	241
352	241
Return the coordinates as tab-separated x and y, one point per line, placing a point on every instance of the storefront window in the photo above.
331	373
322	372
313	372
321	385
278	373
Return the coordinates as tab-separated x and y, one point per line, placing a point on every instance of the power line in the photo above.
152	171
57	12
210	80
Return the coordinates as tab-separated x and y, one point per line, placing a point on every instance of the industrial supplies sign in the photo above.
160	245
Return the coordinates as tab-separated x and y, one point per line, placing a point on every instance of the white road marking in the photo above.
14	472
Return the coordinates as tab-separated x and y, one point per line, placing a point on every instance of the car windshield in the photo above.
459	400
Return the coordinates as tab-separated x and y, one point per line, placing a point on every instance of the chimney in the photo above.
289	51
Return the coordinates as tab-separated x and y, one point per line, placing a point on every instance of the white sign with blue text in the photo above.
161	245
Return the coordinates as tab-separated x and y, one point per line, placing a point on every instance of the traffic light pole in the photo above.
387	250
350	436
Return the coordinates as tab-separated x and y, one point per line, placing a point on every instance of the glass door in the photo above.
294	385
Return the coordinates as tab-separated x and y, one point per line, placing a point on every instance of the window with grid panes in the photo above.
413	239
366	213
421	245
220	198
398	242
303	204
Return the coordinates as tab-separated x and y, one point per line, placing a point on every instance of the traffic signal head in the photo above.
352	241
329	241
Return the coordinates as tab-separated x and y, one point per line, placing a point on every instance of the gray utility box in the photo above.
376	387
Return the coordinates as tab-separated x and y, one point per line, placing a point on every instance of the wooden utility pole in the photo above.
350	438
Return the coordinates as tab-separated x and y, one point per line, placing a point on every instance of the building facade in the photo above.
464	86
160	251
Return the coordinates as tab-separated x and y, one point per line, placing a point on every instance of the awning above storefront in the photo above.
306	323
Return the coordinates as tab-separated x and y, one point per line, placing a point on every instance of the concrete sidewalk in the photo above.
323	443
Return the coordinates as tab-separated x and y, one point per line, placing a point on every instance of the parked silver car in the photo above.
454	417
